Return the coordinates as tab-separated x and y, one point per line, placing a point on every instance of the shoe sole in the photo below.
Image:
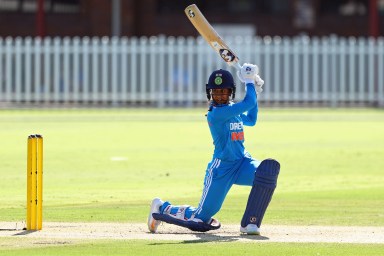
249	232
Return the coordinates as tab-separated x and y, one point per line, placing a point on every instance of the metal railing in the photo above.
169	71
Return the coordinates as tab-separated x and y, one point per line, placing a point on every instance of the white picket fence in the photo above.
169	71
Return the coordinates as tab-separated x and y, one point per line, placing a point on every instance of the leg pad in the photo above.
190	224
264	185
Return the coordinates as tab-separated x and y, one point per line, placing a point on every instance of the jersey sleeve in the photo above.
249	103
249	118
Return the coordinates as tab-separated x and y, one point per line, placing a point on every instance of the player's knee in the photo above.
267	173
207	213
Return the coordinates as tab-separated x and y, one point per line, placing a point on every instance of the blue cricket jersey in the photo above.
231	164
226	125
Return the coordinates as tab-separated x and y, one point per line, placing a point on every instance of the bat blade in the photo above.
211	36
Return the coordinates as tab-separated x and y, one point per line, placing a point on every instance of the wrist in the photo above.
249	81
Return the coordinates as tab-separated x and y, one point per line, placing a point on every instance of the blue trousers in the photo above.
219	178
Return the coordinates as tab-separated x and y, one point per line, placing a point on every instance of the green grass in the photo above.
332	165
192	248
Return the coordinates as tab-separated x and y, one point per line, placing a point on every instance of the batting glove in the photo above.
247	73
258	84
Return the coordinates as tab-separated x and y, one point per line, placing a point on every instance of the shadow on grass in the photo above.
214	237
21	233
206	238
25	232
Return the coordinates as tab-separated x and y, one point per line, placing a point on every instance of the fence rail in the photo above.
169	71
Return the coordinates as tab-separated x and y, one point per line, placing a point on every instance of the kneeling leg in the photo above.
178	218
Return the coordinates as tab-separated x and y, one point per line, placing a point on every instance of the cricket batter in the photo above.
231	163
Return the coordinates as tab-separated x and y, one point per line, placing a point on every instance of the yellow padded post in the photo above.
35	182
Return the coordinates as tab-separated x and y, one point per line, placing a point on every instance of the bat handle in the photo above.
237	66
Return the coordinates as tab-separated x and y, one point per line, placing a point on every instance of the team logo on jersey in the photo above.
237	136
236	126
218	80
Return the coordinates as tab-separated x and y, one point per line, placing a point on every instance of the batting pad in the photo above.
262	190
192	225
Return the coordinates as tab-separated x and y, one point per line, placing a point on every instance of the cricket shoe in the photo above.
155	208
250	229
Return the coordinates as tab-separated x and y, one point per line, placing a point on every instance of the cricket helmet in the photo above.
220	79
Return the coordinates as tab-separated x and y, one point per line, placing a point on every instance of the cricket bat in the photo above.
211	36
